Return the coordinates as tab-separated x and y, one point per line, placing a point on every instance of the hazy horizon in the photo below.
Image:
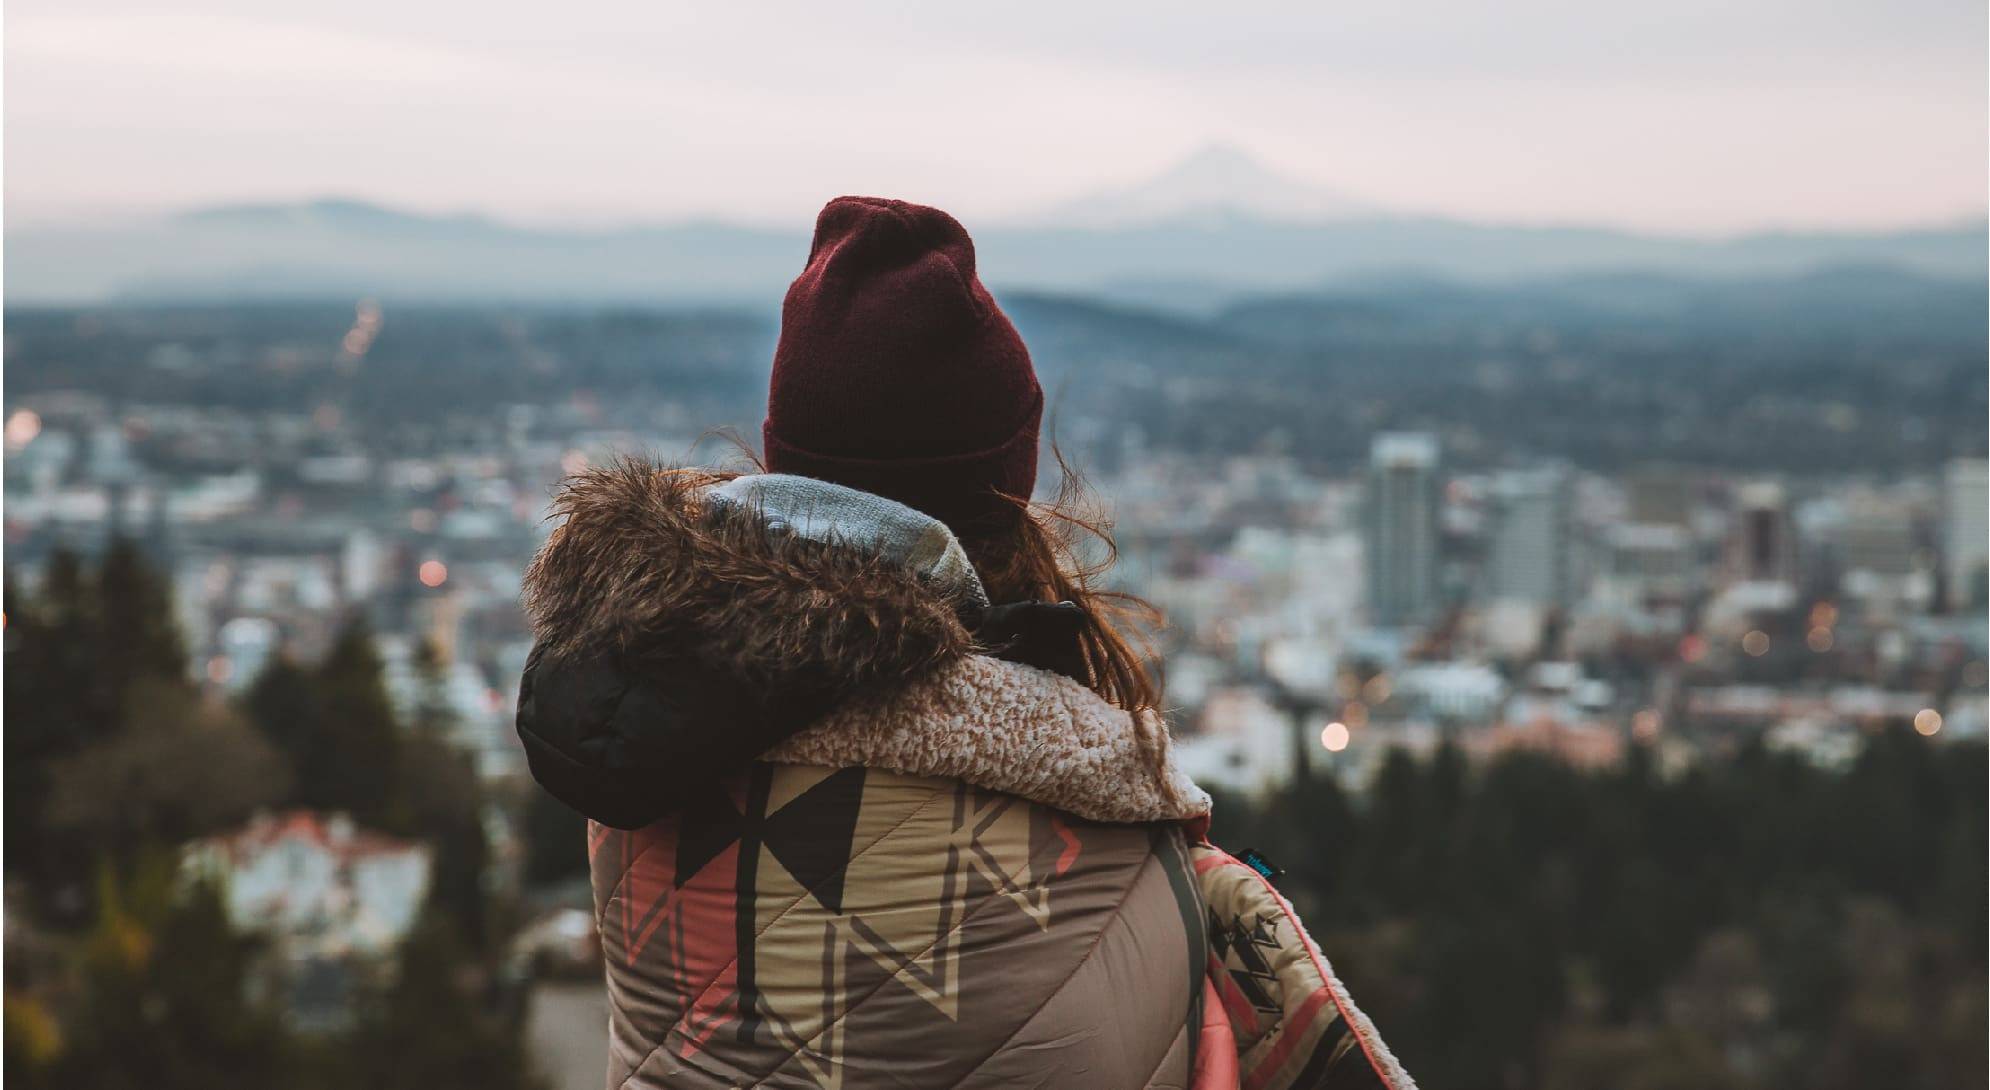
1048	214
1698	119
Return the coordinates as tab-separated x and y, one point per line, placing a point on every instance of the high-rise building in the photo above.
1877	540
1659	496
1402	554
1529	556
1652	559
1876	534
1965	525
1762	545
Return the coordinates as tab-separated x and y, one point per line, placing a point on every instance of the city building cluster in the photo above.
1319	612
1316	622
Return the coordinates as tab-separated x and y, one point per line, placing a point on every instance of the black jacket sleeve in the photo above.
626	745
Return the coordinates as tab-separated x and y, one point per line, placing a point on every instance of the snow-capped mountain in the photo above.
1215	183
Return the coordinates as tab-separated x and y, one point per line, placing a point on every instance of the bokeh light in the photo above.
1692	649
22	427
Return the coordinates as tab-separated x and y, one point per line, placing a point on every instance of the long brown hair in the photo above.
1042	555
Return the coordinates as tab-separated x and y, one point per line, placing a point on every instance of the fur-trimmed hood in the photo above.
689	622
643	565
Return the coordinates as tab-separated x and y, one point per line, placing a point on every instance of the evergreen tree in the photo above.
1537	924
430	1030
137	637
1397	831
67	607
74	653
282	704
346	747
443	802
164	1002
59	704
32	737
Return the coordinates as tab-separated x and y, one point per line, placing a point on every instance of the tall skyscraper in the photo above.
1529	556
1402	527
1762	545
1965	525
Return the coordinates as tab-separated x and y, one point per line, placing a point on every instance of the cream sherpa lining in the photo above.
1015	729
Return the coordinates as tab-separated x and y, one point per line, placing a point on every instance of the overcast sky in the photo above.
1693	115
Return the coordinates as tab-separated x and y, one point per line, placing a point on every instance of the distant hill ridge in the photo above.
1215	227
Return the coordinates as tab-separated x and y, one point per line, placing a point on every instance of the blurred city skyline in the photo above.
1698	119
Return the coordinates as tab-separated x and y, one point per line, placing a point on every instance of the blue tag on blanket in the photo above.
1255	860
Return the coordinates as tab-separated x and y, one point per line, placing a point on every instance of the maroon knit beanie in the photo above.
896	372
